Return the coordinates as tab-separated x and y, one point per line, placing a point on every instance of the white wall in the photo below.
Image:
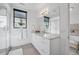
74	13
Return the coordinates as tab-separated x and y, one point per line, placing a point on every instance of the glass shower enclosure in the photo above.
4	32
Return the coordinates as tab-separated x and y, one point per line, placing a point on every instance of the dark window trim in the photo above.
47	18
14	17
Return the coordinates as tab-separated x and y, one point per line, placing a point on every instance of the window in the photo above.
3	18
20	18
46	21
55	25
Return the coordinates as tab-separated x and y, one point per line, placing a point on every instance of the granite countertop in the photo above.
47	35
74	34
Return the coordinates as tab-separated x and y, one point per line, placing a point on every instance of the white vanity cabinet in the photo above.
42	45
45	46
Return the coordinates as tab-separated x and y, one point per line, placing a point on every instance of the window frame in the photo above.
18	17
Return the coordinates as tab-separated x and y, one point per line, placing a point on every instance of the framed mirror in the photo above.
19	18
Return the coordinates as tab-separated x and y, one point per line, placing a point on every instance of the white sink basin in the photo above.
48	35
51	36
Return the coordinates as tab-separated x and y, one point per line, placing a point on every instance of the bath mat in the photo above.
16	52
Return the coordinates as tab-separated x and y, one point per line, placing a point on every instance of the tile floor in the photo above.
16	52
27	50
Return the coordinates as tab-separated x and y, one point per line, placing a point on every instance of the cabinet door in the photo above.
41	44
44	46
34	40
55	47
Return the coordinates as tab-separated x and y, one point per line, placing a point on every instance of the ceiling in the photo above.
38	7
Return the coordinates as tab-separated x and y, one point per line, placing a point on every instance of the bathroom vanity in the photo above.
46	44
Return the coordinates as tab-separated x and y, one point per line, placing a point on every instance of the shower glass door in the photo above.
3	31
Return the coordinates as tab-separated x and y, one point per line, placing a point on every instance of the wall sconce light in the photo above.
71	8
